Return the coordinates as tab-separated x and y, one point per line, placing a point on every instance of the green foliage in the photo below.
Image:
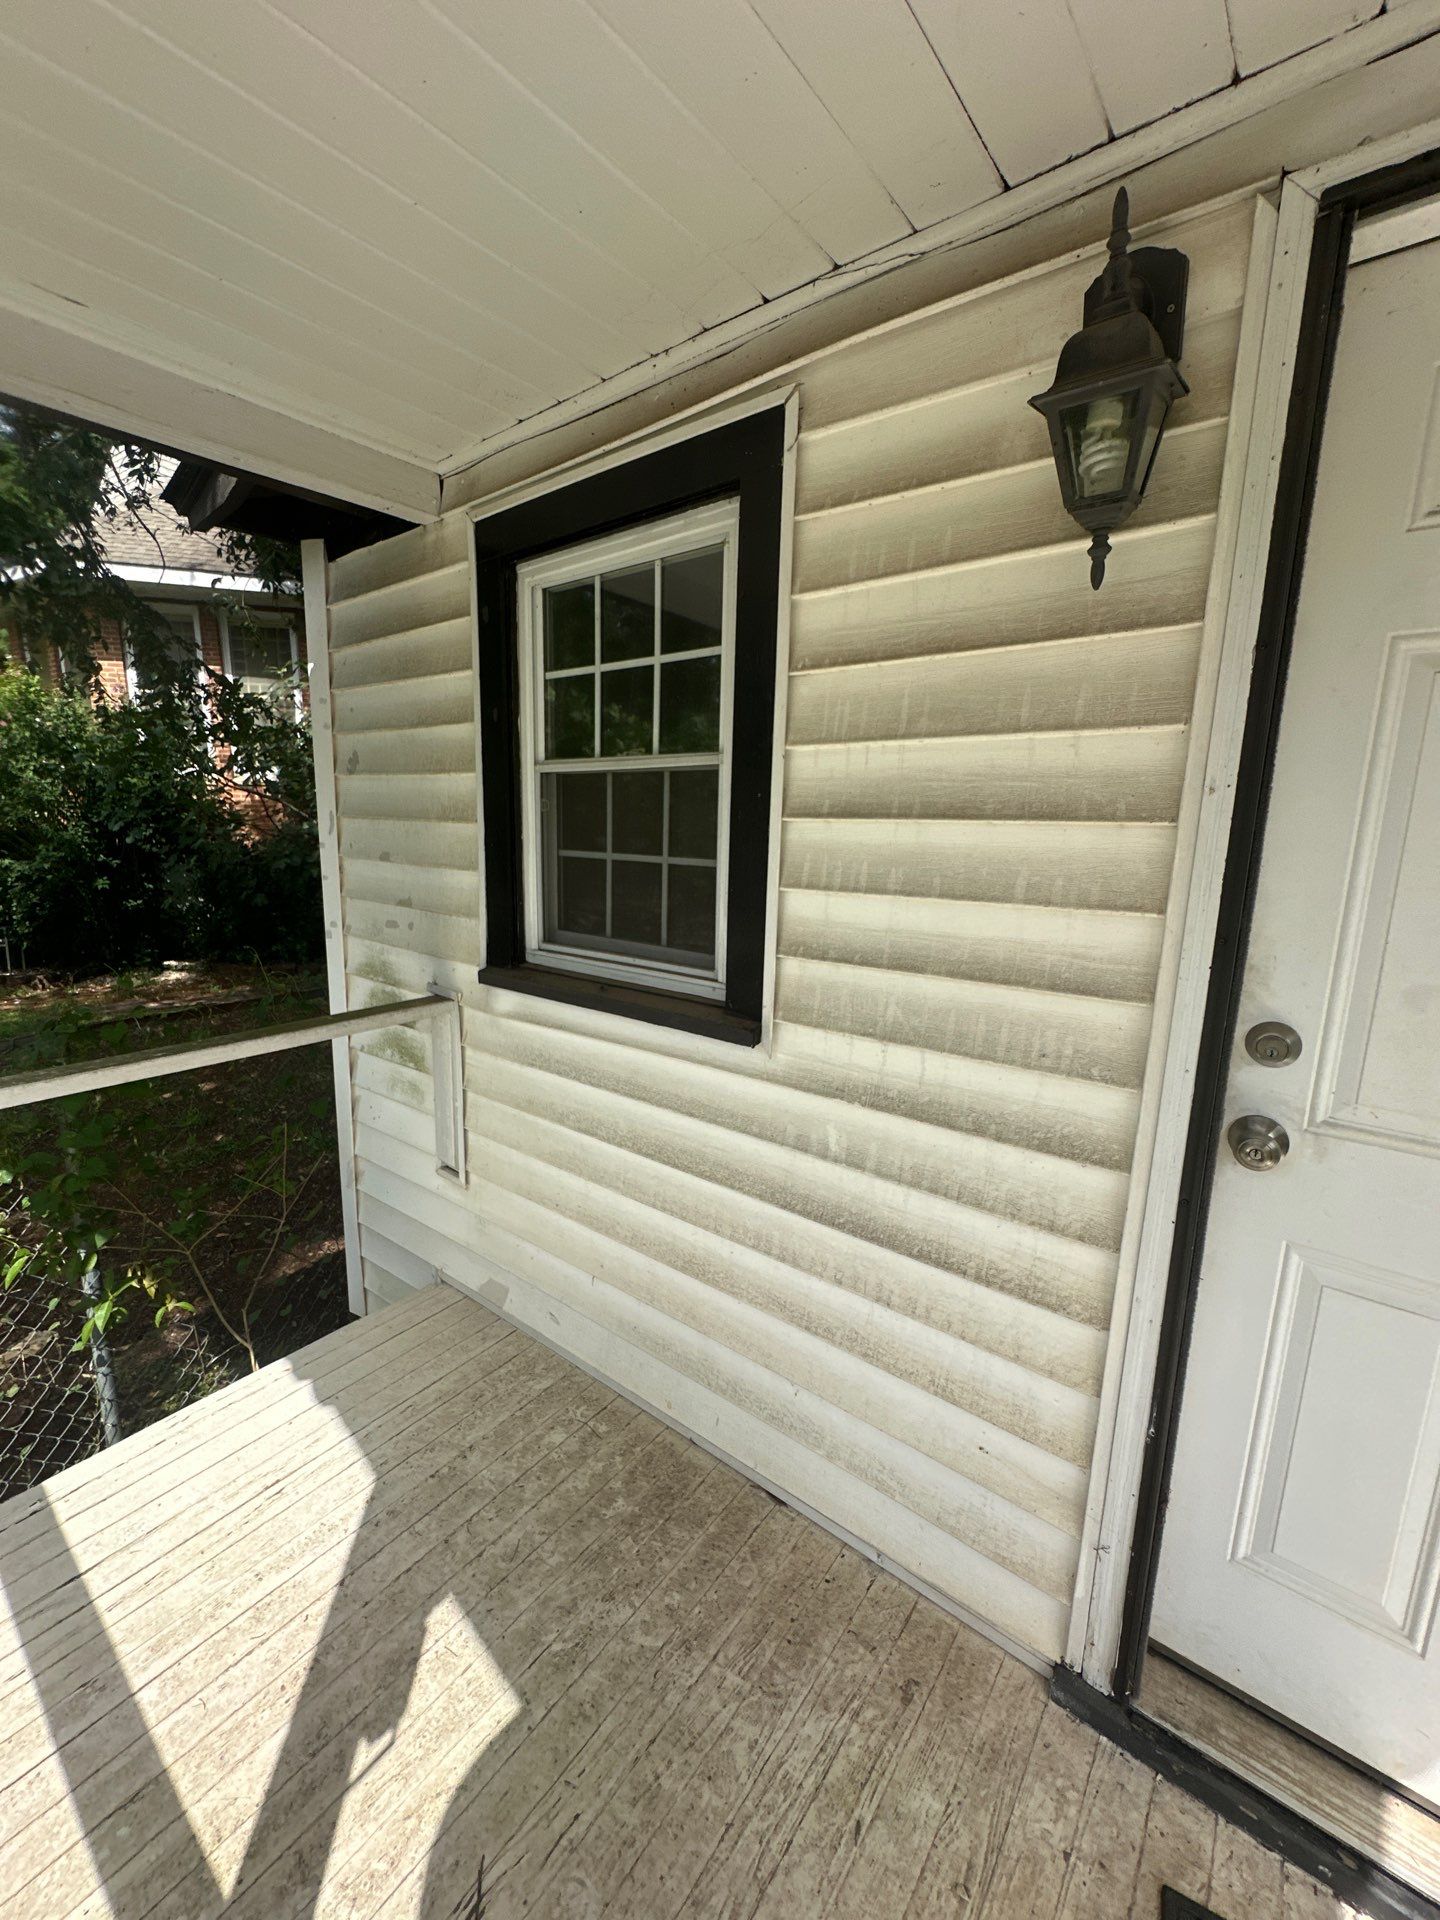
120	843
127	830
62	487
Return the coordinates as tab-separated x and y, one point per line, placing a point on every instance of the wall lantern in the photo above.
1114	384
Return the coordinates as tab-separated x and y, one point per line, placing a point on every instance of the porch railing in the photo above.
437	1010
73	1377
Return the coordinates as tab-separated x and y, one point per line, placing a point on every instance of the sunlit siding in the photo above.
876	1263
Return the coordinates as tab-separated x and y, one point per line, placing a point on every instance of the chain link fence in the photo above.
61	1402
161	1239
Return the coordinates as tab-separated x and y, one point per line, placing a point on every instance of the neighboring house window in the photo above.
179	641
628	628
627	652
262	653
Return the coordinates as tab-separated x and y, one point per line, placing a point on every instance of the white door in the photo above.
1302	1544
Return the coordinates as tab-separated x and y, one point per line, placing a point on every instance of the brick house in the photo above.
227	622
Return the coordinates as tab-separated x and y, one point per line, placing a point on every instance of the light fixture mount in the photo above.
1114	384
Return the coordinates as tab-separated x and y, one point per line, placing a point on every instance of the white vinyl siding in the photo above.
874	1263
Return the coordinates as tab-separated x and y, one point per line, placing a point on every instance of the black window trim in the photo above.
743	459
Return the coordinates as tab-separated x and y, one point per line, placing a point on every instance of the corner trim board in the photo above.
315	576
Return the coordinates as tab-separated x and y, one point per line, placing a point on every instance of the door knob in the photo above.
1257	1142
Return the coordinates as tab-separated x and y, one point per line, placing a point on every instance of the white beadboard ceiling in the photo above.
411	226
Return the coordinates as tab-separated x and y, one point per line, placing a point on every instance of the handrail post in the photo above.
447	1070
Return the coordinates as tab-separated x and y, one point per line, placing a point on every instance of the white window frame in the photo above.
713	525
163	608
288	618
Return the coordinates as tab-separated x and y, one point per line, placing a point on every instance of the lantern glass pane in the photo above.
1097	438
1157	407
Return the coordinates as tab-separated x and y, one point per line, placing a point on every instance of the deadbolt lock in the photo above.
1257	1141
1272	1044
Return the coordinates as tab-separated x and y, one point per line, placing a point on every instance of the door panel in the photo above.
1302	1541
1336	1504
1374	1079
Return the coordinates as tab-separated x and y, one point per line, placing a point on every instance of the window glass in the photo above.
570	717
630	663
692	594
579	813
570	626
691	814
636	907
692	910
690	705
638	802
176	642
627	614
580	909
261	658
627	711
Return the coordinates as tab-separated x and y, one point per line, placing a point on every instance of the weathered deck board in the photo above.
426	1596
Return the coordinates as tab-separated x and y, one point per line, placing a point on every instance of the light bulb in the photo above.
1104	446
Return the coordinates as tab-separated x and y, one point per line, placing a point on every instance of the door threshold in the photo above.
1384	1825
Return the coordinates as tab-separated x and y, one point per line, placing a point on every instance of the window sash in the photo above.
263	685
598	944
714	526
182	617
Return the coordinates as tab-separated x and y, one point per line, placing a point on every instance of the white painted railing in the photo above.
440	1012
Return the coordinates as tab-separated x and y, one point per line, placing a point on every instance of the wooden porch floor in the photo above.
425	1622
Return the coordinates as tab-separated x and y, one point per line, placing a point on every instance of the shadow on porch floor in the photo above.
423	1621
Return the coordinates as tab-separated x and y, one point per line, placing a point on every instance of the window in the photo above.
627	691
261	653
179	644
627	649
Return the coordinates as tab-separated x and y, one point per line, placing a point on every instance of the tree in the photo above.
61	487
121	845
120	838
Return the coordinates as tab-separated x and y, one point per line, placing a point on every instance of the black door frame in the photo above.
1319	330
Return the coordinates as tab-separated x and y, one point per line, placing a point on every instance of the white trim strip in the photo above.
194	582
316	577
1275	287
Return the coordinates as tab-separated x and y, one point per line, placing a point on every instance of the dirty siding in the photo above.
875	1264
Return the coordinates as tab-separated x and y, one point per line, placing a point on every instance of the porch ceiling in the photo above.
409	227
